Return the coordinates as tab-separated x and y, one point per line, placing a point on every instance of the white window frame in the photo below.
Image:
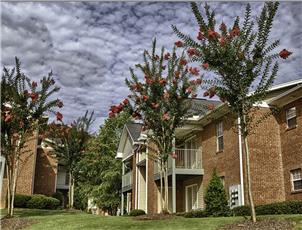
289	117
197	200
219	126
293	180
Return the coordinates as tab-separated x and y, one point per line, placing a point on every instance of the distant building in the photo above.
39	173
208	141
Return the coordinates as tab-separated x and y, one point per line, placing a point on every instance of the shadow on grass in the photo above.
24	212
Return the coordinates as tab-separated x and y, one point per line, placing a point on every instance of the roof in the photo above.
134	130
200	106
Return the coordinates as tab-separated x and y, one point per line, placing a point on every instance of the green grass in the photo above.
60	219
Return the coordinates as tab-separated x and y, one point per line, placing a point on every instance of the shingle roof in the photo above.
134	130
199	106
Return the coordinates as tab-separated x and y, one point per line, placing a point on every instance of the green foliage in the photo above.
80	197
286	207
196	214
215	197
36	201
241	211
99	173
136	212
59	196
21	200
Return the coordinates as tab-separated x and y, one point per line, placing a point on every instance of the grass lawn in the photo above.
79	220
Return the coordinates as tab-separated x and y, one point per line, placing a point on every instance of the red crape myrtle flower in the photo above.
34	96
285	53
200	36
60	104
126	101
174	155
179	44
165	117
167	56
59	116
212	34
194	71
211	106
34	84
183	61
205	65
235	31
191	52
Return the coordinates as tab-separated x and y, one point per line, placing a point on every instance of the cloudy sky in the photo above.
90	46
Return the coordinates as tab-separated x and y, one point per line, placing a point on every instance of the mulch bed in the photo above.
15	223
154	217
261	225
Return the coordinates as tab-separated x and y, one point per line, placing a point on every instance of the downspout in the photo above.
240	163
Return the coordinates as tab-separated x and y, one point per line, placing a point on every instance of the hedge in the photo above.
36	201
136	212
21	200
286	207
59	196
196	214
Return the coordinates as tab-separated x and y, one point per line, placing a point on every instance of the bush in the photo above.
21	200
215	198
136	212
286	207
196	214
241	211
39	201
59	196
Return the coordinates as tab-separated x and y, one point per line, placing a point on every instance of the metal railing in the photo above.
127	179
188	159
184	159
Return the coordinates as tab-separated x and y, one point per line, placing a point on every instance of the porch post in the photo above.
173	182
122	204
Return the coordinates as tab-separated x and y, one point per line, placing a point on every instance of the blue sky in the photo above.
90	46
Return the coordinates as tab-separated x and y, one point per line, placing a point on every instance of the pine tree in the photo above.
215	198
24	106
243	60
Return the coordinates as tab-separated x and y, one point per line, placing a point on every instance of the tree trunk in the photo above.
13	189
243	127
249	185
166	187
161	186
70	191
9	180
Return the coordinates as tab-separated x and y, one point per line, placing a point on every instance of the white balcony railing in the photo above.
188	159
185	159
127	179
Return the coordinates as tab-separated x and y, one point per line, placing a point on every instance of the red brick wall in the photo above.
226	162
291	145
45	174
266	161
25	179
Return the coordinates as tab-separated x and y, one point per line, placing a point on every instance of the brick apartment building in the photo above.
210	141
39	173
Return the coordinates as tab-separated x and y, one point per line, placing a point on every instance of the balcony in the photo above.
141	158
127	181
187	162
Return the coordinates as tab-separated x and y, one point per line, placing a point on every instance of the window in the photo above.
296	179
219	134
291	117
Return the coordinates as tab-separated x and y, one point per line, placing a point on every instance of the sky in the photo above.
89	46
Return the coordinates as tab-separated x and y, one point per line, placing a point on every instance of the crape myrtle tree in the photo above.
160	89
242	59
68	143
99	175
24	104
